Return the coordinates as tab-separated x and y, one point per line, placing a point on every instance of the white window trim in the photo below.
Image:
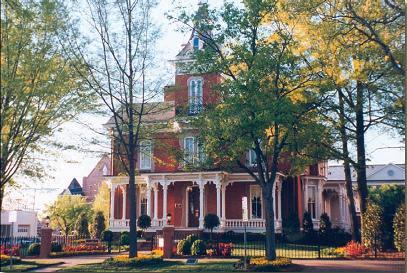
315	200
193	150
250	158
252	187
142	145
189	82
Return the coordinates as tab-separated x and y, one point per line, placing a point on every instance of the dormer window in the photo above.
195	92
145	155
195	43
104	170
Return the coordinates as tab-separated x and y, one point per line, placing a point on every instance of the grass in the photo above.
166	266
26	266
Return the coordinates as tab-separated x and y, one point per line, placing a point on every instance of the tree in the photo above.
39	87
65	212
266	101
107	236
144	222
119	62
372	225
101	204
98	225
325	224
82	226
399	226
211	221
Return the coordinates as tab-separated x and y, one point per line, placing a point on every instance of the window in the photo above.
311	201
143	206
195	96
104	170
145	155
189	143
255	202
23	228
196	43
252	158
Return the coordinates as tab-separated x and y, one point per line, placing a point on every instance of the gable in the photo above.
388	173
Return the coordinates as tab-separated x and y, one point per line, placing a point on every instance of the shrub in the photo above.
83	226
107	235
399	225
307	224
354	249
56	247
141	260
262	264
291	224
191	238
144	221
372	222
124	238
183	247
34	249
211	221
325	224
98	225
198	248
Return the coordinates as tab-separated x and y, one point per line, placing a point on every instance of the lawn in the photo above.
204	265
26	266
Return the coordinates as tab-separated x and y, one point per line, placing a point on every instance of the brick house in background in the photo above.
166	186
92	182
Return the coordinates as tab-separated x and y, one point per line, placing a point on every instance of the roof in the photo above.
74	188
374	173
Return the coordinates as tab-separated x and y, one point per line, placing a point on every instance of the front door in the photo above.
193	207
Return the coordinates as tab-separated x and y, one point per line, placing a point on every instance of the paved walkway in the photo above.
70	261
387	266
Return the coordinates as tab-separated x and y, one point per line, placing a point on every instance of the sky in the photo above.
68	164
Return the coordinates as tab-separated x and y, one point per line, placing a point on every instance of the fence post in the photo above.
168	234
319	246
46	240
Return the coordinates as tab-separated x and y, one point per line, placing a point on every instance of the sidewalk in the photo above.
387	266
71	261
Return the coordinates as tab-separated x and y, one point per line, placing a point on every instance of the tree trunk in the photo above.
360	148
133	211
348	178
269	218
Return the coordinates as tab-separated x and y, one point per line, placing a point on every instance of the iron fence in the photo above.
17	246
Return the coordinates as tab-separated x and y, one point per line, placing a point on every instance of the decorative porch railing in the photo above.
238	223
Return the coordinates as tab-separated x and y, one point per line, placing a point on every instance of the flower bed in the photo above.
220	249
352	249
77	253
141	260
262	264
84	248
5	260
14	250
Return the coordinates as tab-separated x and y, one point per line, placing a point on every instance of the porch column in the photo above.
201	203
218	187
124	190
319	204
148	196
341	214
274	200
155	220
112	191
165	187
223	205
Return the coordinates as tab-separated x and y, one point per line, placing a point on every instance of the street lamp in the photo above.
47	221
169	218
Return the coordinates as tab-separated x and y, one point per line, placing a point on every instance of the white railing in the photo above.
116	224
239	223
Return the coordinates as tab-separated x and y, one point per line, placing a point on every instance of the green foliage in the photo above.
56	247
372	225
107	235
142	260
40	87
198	248
307	224
325	224
211	221
82	227
67	212
399	227
183	247
291	224
102	203
144	221
34	249
124	238
262	264
98	225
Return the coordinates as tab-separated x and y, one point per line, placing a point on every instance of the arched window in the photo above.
195	91
104	170
255	202
145	155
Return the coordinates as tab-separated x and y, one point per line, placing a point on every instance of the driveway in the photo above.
351	265
70	261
